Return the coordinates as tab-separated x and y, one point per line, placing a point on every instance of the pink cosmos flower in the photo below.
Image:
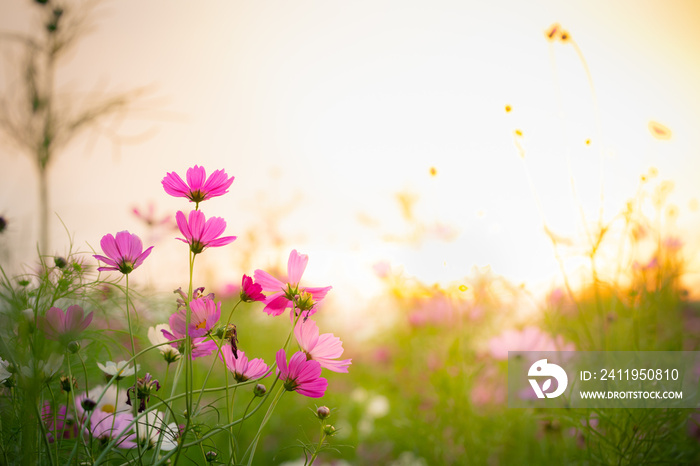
124	253
325	349
251	291
200	347
528	339
302	375
198	187
58	325
288	294
107	426
64	426
205	314
242	368
148	216
201	233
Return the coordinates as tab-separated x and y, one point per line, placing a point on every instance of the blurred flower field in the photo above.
259	362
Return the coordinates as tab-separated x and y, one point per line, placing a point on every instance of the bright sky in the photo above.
325	110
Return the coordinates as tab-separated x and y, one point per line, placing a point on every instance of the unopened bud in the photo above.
322	412
304	302
60	262
87	404
210	456
329	430
67	383
73	347
259	390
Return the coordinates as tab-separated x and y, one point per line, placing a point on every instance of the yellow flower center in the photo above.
107	409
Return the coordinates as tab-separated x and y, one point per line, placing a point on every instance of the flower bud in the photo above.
304	302
329	430
67	384
73	347
60	262
210	456
87	404
322	412
170	354
259	390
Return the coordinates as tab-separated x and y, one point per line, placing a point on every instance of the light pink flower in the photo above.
285	293
200	347
325	349
149	216
64	427
198	187
302	375
205	314
108	426
242	368
123	254
58	325
528	339
201	233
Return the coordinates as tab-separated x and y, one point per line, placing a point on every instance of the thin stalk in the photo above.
253	446
136	367
319	446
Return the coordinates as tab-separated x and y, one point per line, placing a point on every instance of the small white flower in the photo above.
44	370
118	369
378	406
4	370
156	337
150	429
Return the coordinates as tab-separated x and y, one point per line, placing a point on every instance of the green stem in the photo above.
318	448
75	404
176	379
136	367
43	435
253	446
188	357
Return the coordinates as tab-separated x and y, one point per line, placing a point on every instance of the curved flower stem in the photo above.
136	367
254	444
215	430
206	378
109	384
43	435
75	404
229	415
188	357
176	379
320	445
240	427
219	344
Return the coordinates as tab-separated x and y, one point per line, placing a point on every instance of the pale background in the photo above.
325	110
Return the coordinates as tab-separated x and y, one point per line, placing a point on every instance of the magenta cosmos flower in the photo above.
301	375
198	187
201	233
205	314
123	253
58	325
242	368
251	291
288	294
325	349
